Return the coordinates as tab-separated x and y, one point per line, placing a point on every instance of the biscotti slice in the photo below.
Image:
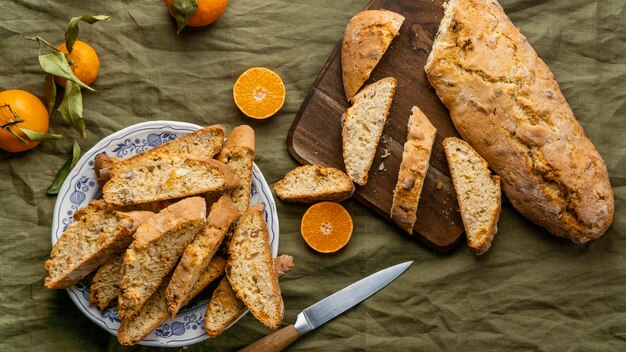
250	269
415	160
238	153
157	246
100	205
314	183
225	307
105	285
149	317
214	270
102	166
167	176
365	40
478	193
363	125
199	252
205	142
86	244
155	311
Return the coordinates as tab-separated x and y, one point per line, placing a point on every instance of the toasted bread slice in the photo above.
238	153
415	160
225	307
86	244
167	176
314	183
363	125
478	193
365	40
203	143
250	269
199	252
157	246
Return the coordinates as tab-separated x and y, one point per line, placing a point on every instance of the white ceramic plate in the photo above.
80	187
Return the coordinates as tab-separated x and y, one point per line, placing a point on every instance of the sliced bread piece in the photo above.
105	284
167	176
238	153
224	307
86	244
157	246
363	125
415	159
365	40
250	269
214	270
314	183
100	204
199	252
102	166
205	142
478	193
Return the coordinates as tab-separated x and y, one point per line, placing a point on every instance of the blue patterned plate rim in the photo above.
80	187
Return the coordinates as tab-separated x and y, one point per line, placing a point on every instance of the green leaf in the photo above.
16	135
71	107
50	92
183	10
39	136
55	63
65	170
72	29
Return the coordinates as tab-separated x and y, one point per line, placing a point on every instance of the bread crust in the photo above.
505	102
238	153
413	168
330	185
367	37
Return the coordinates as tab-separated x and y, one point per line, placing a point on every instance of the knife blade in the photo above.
328	308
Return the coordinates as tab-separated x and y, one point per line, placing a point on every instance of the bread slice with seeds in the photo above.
314	183
367	37
86	244
238	153
478	193
413	168
363	125
250	269
199	252
157	246
204	143
165	176
224	307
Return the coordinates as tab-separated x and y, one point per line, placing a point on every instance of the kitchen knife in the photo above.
328	308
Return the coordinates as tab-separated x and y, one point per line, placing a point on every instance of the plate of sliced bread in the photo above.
142	232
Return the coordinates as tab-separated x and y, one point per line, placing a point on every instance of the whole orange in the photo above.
25	106
208	12
85	63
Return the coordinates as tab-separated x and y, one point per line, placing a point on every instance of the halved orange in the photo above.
259	92
326	227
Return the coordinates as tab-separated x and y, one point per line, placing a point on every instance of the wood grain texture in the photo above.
315	136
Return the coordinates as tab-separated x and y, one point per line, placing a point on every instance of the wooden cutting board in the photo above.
315	136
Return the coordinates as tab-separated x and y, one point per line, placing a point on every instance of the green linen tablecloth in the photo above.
532	291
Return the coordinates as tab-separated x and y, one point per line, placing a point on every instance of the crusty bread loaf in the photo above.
225	307
102	166
314	183
86	244
199	252
505	102
157	246
238	153
365	40
203	143
105	284
413	168
477	191
153	313
250	270
165	176
363	125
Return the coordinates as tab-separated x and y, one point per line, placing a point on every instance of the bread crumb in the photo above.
381	167
385	153
439	185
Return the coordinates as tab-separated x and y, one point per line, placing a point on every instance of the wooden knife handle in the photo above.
277	341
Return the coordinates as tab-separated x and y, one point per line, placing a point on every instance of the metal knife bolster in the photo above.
302	324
